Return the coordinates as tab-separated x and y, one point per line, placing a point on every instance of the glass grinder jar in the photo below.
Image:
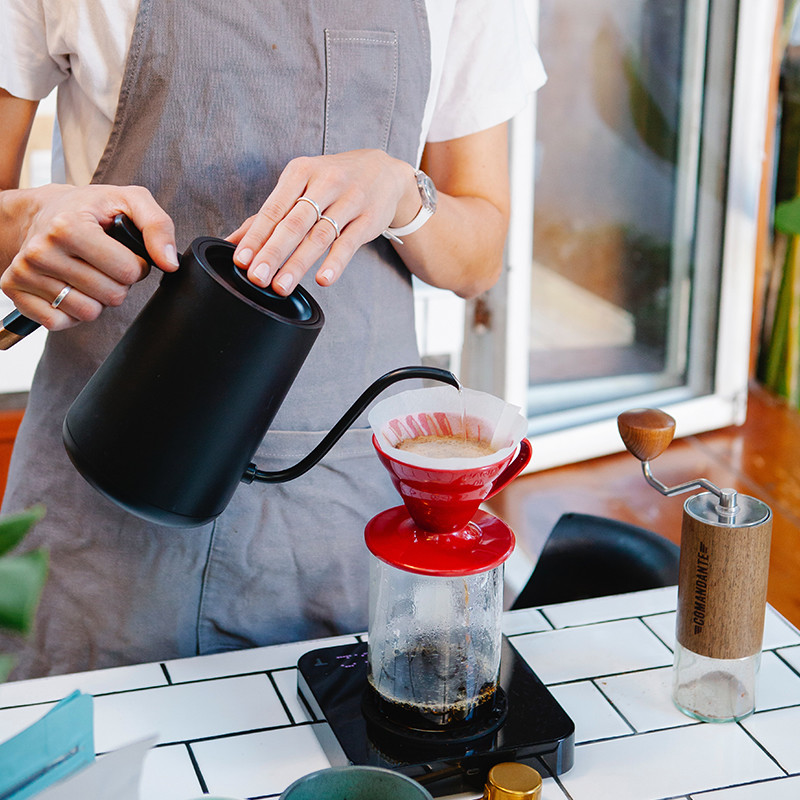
436	603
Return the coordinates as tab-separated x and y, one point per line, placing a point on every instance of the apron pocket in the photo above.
361	86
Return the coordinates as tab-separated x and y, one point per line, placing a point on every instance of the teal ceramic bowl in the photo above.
355	783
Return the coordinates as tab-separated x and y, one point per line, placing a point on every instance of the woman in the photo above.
296	129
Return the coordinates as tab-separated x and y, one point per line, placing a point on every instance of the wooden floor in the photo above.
761	458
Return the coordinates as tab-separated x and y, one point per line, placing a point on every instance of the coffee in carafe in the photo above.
439	666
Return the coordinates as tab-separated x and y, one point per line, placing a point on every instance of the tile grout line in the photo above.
198	772
635	671
135	689
655	633
594	622
780	657
613	705
280	697
232	734
764	749
757	782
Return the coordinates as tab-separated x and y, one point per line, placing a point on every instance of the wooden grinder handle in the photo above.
646	432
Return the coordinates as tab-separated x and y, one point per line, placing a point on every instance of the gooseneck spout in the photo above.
252	473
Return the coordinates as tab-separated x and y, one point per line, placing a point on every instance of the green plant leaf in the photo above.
21	580
14	527
6	664
787	216
775	363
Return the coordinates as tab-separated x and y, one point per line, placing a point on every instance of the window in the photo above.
633	285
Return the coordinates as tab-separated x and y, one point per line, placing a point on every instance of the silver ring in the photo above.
60	296
312	203
334	223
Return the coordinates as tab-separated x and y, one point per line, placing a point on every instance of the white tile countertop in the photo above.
231	724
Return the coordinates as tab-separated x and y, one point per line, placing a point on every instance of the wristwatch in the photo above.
427	193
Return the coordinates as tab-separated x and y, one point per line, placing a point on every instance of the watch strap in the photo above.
423	215
425	212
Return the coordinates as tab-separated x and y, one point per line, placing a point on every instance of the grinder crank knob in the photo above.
646	432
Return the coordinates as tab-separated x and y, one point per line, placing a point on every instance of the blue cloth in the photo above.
58	745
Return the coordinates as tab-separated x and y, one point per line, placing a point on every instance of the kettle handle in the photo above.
125	232
253	473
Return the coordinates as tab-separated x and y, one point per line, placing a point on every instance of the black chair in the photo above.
587	556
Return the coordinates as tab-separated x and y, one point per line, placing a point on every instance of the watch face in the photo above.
427	191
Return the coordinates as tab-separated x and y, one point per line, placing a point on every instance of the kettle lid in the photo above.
215	256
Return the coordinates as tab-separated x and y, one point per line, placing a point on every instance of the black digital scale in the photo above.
527	724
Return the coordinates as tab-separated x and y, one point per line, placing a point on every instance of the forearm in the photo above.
16	121
460	248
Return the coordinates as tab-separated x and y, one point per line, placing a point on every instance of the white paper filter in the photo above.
442	411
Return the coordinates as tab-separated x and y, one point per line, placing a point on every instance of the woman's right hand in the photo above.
59	240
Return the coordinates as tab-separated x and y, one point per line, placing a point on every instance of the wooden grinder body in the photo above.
722	585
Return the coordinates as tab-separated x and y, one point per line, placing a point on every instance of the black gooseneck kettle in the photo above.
168	424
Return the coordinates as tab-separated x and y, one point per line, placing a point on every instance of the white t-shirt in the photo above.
480	49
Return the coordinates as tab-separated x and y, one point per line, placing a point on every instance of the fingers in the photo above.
156	226
57	305
74	307
67	247
78	251
276	231
322	206
323	236
251	252
296	243
80	231
36	277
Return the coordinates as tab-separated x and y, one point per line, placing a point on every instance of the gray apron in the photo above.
216	99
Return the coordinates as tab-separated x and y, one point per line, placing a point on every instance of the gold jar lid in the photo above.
512	781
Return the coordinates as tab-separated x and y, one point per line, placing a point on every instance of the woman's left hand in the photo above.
348	199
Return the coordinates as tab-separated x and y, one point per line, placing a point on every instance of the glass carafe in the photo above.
434	644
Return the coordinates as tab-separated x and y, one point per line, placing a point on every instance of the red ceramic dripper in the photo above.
441	529
445	500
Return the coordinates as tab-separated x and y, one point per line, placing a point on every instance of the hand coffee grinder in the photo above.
722	582
437	692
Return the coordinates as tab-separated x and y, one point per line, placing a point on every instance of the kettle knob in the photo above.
646	432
